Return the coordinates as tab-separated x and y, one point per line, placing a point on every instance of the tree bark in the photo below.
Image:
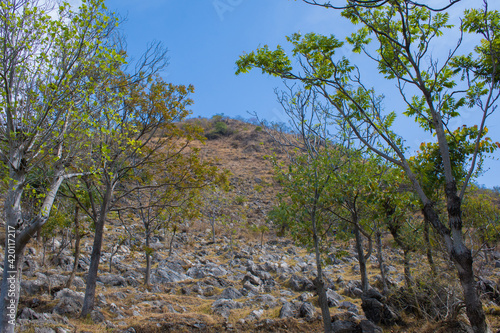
361	257
88	301
320	284
77	249
147	277
172	241
18	234
462	257
380	259
428	251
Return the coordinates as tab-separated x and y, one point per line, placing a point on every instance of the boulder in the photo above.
112	280
224	306
44	330
288	310
344	326
333	298
165	275
305	296
230	293
97	316
70	302
252	279
307	310
43	283
202	271
367	326
349	306
300	283
266	301
254	315
29	314
376	311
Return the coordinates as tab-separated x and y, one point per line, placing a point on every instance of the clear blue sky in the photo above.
206	37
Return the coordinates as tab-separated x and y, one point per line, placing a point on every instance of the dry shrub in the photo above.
430	299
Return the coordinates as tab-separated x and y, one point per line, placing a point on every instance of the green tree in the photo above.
303	206
44	81
403	34
481	215
140	132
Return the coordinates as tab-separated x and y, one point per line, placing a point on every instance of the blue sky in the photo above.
206	37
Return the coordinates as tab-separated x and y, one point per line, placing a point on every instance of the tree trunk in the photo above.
213	231
88	301
380	259
473	305
16	240
11	282
147	277
361	258
462	257
77	249
320	284
172	242
427	239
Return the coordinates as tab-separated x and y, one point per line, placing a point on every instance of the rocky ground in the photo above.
206	287
224	287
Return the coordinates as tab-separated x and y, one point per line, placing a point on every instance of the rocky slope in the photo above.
234	285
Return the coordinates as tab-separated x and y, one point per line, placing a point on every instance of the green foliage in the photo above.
218	127
428	163
481	214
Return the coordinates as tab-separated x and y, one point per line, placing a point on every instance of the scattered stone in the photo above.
288	310
254	315
112	280
230	293
70	302
209	269
28	314
299	283
252	279
307	311
376	311
44	330
97	316
367	326
333	298
349	306
305	296
344	326
224	306
266	301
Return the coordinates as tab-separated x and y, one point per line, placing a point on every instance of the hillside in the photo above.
234	284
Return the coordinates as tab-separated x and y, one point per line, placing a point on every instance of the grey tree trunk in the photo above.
147	277
88	301
320	284
18	234
172	242
428	245
11	282
381	264
361	259
77	249
462	257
